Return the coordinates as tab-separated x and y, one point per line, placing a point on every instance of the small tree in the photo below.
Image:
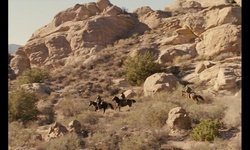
22	105
138	68
34	75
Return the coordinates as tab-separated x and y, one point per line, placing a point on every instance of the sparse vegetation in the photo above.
20	136
206	130
138	68
22	105
34	75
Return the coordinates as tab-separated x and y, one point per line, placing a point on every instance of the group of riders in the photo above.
99	100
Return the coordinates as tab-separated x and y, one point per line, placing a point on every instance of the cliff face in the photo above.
185	28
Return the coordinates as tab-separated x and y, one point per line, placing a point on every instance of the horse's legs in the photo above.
116	108
197	100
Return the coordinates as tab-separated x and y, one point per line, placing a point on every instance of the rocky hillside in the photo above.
84	47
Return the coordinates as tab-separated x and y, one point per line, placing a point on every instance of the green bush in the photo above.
206	130
34	75
138	68
22	105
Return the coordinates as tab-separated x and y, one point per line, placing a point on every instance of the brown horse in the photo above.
122	103
193	96
104	105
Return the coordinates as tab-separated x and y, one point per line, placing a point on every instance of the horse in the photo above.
104	105
193	96
122	103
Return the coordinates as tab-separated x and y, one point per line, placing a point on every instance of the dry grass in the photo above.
21	136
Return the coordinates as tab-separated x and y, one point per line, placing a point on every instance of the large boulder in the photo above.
222	39
19	62
160	82
170	53
226	79
211	17
75	126
178	119
56	130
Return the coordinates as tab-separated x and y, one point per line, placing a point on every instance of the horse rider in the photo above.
99	100
123	98
188	89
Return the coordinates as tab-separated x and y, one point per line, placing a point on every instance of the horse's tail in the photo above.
111	106
200	97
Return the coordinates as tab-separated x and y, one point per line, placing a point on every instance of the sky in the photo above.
26	16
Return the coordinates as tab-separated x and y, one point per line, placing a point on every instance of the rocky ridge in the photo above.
82	50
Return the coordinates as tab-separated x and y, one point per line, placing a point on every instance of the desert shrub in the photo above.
22	105
34	75
68	142
103	140
144	140
89	117
138	68
70	107
206	130
20	136
156	113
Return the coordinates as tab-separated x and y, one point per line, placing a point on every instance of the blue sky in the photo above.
26	16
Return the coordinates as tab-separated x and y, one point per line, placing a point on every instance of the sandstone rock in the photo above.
221	39
211	17
225	79
159	82
56	130
178	119
210	3
75	125
199	68
141	11
19	62
181	36
209	75
103	4
170	53
113	10
130	93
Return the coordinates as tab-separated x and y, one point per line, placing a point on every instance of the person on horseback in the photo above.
123	98
99	101
189	91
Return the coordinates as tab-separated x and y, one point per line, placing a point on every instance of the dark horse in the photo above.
121	103
193	96
104	105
